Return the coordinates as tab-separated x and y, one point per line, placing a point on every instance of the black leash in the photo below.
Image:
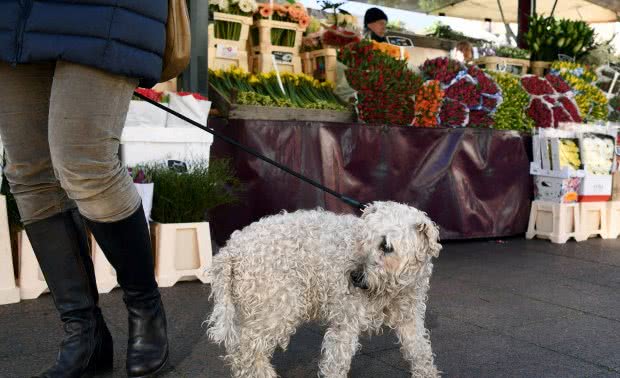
343	198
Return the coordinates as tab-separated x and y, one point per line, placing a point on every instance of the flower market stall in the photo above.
452	138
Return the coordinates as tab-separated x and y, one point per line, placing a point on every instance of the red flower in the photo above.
560	115
558	83
480	118
536	86
464	91
541	113
453	114
150	93
571	108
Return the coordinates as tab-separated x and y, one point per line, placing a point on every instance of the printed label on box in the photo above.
283	57
227	52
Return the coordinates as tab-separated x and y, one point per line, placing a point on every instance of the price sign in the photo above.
283	57
399	41
227	52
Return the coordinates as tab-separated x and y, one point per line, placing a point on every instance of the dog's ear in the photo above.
430	235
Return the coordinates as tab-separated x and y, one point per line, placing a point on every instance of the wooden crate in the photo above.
224	53
557	222
324	64
540	68
496	63
287	58
229	109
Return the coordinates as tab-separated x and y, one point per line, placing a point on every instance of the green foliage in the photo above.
547	38
439	30
185	197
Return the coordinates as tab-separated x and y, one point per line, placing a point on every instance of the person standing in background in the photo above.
375	24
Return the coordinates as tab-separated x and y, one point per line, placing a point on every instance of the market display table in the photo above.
474	183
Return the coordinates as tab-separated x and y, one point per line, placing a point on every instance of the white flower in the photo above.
245	6
223	5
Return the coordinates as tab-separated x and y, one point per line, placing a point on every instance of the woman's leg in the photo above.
87	114
53	225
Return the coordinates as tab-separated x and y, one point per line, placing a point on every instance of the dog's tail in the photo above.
221	323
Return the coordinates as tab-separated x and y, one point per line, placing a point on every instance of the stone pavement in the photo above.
511	308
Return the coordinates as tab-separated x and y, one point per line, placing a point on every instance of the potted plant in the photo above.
182	196
550	39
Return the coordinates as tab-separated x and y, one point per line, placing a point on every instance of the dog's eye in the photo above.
385	248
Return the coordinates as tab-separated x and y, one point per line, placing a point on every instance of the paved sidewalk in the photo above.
497	309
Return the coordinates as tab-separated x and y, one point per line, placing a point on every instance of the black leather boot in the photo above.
127	245
60	244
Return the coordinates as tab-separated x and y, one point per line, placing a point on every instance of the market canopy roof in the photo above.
587	10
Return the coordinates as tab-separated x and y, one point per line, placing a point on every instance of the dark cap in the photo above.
374	14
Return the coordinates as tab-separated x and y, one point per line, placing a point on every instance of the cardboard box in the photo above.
595	188
556	189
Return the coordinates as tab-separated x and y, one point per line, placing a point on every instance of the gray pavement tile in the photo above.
607	374
493	309
489	355
30	333
42	304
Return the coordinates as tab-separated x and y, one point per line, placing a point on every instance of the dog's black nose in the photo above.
357	279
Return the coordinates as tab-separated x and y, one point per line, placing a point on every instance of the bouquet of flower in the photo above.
510	114
391	50
427	104
300	91
590	99
444	70
614	109
384	84
485	82
466	91
558	83
541	113
536	86
232	30
453	114
294	13
481	119
151	94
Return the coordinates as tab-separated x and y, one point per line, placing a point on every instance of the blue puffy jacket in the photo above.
124	37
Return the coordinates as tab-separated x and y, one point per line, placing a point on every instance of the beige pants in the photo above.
61	125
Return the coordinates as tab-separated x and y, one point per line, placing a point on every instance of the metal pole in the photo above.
525	10
195	78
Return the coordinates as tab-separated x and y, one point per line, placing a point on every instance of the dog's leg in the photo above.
252	357
416	347
340	343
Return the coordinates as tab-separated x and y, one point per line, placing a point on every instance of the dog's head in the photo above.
396	242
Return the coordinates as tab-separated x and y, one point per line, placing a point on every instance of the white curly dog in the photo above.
354	274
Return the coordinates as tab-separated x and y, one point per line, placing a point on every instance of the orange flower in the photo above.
304	22
266	11
294	13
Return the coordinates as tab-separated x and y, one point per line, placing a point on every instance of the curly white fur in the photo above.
354	274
